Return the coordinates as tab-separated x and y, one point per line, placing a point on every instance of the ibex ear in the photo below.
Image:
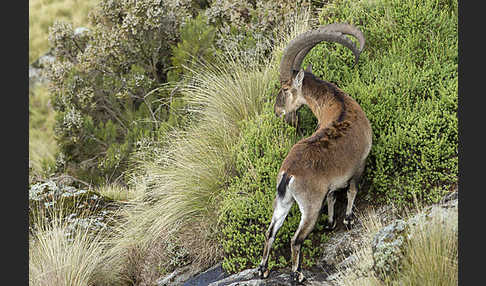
309	68
297	83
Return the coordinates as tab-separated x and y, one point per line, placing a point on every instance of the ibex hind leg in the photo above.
281	207
351	195
310	211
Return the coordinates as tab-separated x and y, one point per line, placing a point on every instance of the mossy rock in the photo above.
387	247
51	199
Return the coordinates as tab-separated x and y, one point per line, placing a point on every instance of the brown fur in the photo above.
341	124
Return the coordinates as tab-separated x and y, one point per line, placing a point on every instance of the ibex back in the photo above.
333	157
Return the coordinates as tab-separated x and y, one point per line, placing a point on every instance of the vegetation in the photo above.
430	255
42	146
43	13
167	107
406	82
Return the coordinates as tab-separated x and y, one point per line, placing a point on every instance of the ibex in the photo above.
333	157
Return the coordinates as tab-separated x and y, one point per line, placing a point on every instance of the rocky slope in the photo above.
386	248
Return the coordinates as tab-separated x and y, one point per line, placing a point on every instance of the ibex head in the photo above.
290	96
290	99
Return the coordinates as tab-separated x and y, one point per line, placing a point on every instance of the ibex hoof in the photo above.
349	221
297	277
328	226
263	272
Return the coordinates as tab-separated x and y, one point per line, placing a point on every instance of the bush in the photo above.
406	82
196	45
108	83
247	209
250	27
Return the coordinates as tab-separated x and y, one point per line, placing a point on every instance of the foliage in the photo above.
406	82
43	13
108	83
247	209
42	146
205	154
250	27
196	45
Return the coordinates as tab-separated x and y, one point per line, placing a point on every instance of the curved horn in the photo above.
298	48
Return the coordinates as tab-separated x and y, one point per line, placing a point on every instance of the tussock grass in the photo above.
117	192
430	256
43	13
60	254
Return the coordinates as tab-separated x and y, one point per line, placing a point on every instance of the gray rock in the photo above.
244	277
338	247
214	273
36	69
81	208
387	246
388	243
249	277
175	278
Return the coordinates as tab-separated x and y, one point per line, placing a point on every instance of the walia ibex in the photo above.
332	158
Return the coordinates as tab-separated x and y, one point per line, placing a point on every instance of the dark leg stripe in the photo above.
282	186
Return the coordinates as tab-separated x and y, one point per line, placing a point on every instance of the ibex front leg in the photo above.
281	207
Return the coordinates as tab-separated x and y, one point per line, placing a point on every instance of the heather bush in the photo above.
251	27
109	84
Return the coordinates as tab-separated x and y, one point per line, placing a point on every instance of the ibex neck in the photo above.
328	105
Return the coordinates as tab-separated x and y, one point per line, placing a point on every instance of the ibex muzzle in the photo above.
332	158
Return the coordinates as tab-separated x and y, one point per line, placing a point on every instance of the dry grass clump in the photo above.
64	254
430	255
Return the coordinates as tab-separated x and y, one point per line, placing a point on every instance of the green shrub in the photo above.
246	209
406	82
196	44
